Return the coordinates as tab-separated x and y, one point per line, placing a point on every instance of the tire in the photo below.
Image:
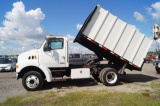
11	69
110	77
157	69
101	74
32	81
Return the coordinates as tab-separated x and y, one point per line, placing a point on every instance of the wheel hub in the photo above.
111	77
32	81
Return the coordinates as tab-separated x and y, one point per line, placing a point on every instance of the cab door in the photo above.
55	53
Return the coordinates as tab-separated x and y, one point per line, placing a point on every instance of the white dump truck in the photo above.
104	34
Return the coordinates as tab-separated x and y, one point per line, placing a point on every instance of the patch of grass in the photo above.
17	101
136	99
84	98
94	98
156	84
31	98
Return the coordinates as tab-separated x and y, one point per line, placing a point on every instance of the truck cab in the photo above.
51	55
48	62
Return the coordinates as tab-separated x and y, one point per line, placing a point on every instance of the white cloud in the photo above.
139	16
149	10
79	26
22	28
70	38
1	43
8	49
75	47
154	11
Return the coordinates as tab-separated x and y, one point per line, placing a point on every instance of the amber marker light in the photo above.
35	57
17	66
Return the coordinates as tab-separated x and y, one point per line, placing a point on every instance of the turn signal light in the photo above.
17	66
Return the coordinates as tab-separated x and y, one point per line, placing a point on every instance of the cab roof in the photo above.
52	36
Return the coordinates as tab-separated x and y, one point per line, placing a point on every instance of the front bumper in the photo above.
4	69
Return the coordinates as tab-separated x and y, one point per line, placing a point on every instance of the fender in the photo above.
45	70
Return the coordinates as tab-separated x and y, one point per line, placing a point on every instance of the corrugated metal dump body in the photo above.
114	39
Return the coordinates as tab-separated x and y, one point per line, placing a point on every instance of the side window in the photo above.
14	60
54	43
76	55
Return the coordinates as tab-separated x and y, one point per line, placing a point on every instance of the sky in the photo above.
24	24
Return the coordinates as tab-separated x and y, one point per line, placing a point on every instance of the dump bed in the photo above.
110	37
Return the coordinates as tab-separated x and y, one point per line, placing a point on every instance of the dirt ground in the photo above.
134	81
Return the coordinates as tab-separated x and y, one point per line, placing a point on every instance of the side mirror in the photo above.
46	48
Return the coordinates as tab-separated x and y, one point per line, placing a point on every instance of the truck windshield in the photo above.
5	60
54	43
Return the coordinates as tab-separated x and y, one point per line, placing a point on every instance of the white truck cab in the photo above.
50	59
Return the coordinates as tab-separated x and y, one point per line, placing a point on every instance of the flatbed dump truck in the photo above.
104	34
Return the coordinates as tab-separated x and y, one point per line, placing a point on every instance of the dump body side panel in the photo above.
124	41
142	51
133	46
121	40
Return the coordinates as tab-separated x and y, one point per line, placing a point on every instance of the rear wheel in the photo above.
101	74
32	81
110	77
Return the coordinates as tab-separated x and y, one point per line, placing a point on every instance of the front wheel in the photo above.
110	77
32	81
11	69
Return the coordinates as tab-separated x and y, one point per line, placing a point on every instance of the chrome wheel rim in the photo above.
111	77
32	81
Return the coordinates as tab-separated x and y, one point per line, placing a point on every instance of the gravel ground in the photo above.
134	81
